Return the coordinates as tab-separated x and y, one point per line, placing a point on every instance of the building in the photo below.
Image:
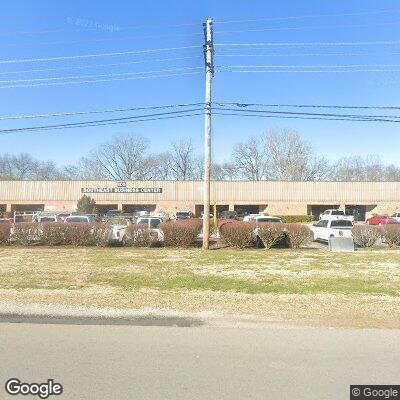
275	198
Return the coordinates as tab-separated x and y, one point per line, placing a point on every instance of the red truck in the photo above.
381	220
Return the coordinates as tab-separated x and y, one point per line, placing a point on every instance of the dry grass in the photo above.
304	286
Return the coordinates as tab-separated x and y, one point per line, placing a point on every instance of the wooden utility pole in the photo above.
208	56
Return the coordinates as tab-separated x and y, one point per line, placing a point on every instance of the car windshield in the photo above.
182	214
268	220
77	219
341	224
47	219
337	212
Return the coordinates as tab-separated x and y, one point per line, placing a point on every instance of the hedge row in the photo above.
55	234
297	218
245	234
367	235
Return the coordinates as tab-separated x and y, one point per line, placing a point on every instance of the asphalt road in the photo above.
199	362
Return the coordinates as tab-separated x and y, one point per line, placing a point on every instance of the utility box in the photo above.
341	244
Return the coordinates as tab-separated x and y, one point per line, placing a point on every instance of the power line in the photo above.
67	114
124	122
305	44
98	55
113	39
300	117
306	54
243	105
385	118
384	11
310	71
99	80
96	30
308	28
311	66
101	75
99	65
96	122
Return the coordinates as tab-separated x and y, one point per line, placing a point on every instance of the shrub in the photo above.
4	233
391	234
297	218
138	236
297	235
237	233
270	234
181	233
101	234
25	233
366	235
53	234
79	234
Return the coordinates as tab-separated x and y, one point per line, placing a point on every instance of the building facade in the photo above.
276	198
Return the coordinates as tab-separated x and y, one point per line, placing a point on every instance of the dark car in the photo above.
183	215
228	215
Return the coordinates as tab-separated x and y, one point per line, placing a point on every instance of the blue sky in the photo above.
43	29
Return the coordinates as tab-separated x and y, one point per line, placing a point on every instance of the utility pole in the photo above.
209	66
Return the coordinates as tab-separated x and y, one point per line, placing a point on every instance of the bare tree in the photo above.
224	172
182	160
292	159
250	160
160	166
369	168
123	158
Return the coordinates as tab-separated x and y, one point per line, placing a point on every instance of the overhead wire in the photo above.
113	110
93	122
99	65
98	55
309	16
100	75
100	80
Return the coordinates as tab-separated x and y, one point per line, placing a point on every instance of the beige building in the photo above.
275	198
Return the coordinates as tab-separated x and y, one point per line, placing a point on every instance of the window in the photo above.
143	221
154	223
322	224
341	224
337	212
77	219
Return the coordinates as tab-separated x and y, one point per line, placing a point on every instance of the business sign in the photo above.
120	189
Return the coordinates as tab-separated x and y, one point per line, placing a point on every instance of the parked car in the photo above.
45	218
326	228
78	219
118	232
112	213
152	223
255	238
381	220
61	216
261	218
336	214
396	216
228	215
183	215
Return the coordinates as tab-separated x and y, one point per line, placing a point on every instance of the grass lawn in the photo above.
304	286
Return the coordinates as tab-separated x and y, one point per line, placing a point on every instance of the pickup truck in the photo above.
326	228
336	214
